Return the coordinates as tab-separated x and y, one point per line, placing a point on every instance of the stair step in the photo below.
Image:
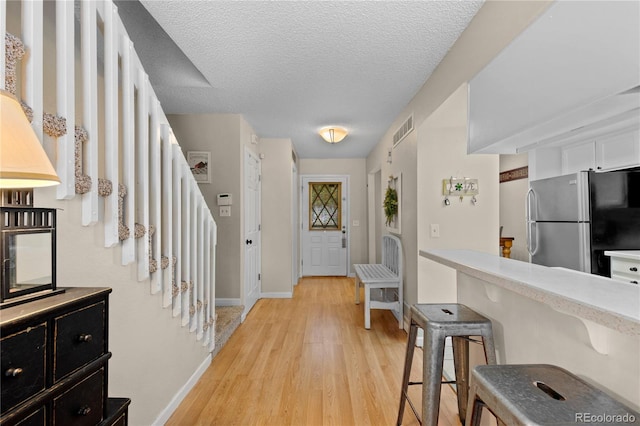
227	321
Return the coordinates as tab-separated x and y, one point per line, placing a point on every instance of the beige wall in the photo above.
219	134
277	233
494	26
442	153
512	206
153	355
355	169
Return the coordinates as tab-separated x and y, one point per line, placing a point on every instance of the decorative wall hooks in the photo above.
460	187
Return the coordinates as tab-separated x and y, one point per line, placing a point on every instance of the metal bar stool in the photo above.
540	394
439	321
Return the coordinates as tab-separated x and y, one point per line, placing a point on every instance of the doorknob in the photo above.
249	242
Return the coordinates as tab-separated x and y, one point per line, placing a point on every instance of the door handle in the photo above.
249	242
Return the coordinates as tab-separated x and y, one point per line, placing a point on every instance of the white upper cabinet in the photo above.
572	75
607	153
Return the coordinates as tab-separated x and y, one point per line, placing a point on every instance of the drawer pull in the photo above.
84	411
13	372
84	338
633	269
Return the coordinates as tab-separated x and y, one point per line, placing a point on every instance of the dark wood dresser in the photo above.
54	357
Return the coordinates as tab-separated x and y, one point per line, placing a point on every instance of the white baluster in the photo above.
128	149
167	210
3	47
155	194
212	280
88	29
33	63
177	227
142	172
186	237
111	142
65	100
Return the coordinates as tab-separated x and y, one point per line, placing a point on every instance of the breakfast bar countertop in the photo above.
624	254
601	300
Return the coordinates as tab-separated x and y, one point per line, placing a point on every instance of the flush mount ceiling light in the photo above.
333	134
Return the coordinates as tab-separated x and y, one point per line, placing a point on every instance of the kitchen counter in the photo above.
604	301
624	254
587	324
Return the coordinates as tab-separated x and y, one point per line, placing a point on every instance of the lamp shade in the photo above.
333	134
23	162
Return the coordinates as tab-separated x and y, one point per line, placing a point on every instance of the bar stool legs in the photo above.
438	322
408	359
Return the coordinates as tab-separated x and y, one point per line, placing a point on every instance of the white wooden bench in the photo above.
386	278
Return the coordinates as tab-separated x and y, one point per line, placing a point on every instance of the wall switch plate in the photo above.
434	230
225	210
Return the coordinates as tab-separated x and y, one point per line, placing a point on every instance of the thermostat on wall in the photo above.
224	199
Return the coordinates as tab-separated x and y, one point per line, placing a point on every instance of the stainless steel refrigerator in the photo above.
573	219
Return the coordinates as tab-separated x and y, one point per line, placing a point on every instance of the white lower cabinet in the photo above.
625	265
609	153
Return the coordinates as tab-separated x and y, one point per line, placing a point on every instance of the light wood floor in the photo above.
309	361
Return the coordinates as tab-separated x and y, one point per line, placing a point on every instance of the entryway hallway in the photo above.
309	361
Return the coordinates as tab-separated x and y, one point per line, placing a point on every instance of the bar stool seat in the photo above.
541	394
440	321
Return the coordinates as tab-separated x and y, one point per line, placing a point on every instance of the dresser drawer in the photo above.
79	339
82	405
37	418
23	363
627	270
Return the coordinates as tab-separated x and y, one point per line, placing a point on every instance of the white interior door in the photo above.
295	225
251	229
324	231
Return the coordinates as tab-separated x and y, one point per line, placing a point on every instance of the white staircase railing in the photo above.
153	207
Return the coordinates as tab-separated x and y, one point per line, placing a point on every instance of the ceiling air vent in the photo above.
403	131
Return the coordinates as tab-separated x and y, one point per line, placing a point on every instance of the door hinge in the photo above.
259	277
259	178
259	227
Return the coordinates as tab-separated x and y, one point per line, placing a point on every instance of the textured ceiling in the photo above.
292	67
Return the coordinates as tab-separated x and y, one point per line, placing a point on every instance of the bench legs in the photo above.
367	303
367	307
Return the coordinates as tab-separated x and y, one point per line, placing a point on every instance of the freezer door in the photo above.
560	199
562	244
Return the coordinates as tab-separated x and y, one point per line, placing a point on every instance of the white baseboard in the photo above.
351	274
228	302
182	393
279	295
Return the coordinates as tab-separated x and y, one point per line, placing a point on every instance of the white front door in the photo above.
324	225
251	230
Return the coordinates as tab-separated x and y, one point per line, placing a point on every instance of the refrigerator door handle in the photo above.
531	195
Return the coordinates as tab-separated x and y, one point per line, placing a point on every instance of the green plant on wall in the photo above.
390	204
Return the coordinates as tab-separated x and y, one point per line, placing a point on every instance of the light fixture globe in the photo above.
23	162
333	134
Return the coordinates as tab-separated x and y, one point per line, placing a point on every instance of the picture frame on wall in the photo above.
199	164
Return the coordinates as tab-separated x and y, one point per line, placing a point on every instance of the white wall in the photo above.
355	169
493	27
512	206
442	153
277	232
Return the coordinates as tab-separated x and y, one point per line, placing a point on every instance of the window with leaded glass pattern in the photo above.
325	205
